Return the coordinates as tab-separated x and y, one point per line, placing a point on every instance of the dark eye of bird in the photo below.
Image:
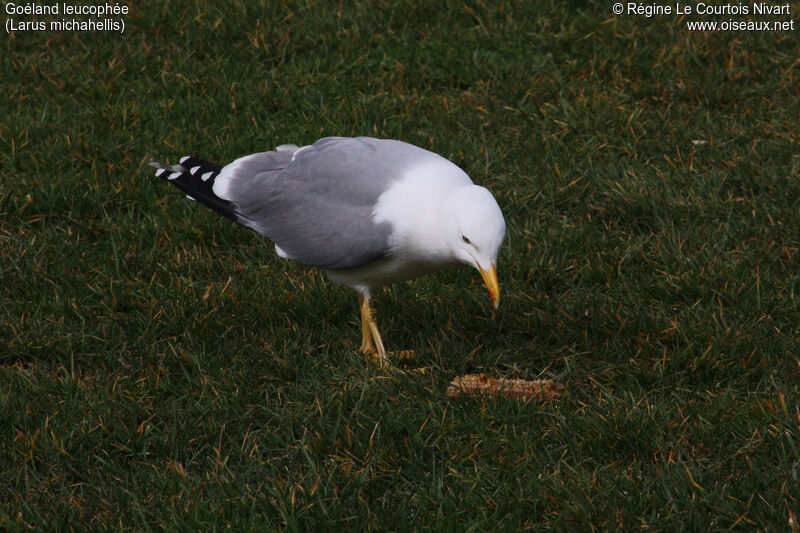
464	238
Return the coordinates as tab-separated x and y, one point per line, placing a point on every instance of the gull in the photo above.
370	212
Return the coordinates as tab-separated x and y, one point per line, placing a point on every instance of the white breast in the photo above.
418	241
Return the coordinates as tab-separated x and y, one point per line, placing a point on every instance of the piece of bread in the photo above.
539	389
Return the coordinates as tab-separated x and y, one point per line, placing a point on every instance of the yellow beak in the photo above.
490	279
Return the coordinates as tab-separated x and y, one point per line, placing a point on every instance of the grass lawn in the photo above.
161	367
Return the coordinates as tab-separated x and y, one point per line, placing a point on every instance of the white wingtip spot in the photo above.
205	176
194	170
190	198
174	175
184	158
160	171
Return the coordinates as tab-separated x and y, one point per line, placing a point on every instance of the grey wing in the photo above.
318	207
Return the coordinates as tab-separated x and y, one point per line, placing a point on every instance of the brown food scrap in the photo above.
539	389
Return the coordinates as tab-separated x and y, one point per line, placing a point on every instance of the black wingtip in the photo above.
195	177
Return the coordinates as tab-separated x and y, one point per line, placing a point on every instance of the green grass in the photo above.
162	368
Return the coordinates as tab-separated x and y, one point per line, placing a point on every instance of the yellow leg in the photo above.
371	342
367	346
